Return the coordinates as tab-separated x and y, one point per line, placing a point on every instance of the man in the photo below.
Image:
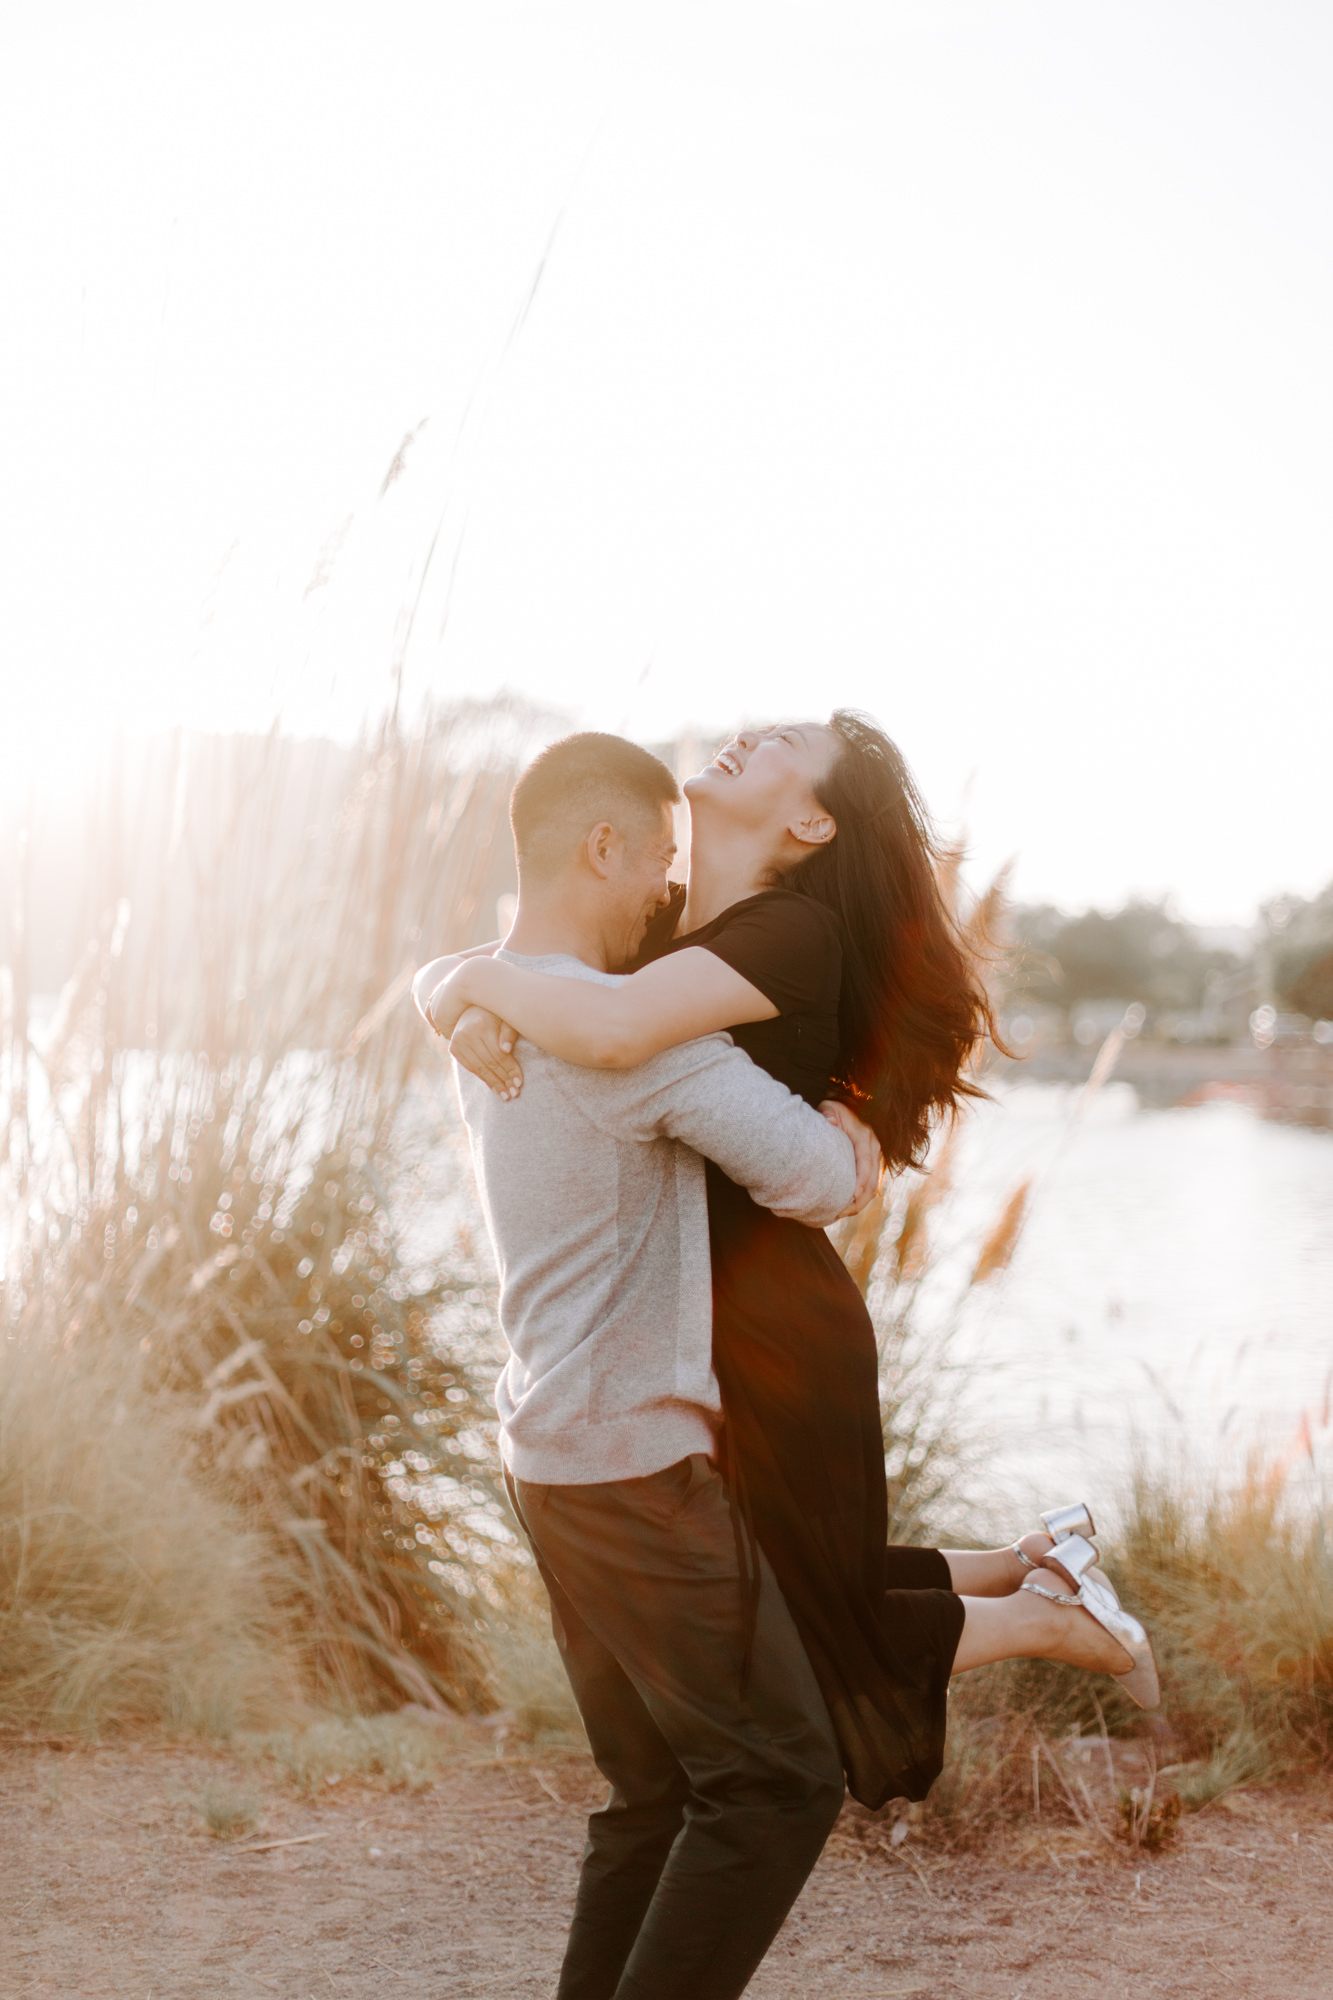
701	1708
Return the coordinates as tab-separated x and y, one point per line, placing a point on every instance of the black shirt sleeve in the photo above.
661	932
785	944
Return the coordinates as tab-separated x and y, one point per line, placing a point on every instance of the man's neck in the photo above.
548	924
731	868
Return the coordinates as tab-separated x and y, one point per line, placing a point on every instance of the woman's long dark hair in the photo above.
913	1010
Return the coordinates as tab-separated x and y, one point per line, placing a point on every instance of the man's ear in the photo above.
600	847
815	831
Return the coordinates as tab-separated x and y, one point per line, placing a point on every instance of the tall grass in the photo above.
214	1152
1238	1580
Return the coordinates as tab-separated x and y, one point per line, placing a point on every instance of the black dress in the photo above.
794	1352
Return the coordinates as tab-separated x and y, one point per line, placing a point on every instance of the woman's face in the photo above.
765	779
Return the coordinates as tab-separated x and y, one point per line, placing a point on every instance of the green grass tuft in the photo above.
228	1815
402	1752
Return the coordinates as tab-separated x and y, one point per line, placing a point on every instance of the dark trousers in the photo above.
724	1784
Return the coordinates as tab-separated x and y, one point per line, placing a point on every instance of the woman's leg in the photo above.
993	1572
1028	1627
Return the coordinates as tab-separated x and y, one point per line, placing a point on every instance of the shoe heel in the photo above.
1075	1519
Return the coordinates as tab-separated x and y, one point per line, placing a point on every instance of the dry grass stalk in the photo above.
911	1247
998	1248
1148	1819
293	1840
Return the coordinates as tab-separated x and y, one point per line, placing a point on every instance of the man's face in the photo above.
639	887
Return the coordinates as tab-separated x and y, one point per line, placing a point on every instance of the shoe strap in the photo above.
1051	1596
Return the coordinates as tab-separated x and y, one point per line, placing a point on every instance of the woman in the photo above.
813	931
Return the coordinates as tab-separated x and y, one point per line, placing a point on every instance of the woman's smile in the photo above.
774	772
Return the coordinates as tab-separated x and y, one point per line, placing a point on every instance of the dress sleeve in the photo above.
661	929
785	944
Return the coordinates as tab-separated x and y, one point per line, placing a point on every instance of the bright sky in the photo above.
966	362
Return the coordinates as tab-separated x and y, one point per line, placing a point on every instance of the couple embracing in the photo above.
669	1094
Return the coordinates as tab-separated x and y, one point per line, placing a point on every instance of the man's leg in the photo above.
650	1567
630	1837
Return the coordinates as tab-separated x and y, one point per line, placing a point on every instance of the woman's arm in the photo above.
437	971
691	993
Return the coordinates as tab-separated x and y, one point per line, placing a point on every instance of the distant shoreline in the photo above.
1292	1084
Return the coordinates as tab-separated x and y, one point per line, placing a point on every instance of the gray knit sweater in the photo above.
593	1191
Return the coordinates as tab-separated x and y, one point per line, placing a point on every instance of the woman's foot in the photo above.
1026	1626
1000	1572
1073	1635
1068	1613
1034	1547
1074	1560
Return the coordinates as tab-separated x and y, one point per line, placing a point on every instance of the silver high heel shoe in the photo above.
1060	1524
1076	1564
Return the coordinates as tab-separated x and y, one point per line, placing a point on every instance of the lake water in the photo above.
1173	1286
1171	1293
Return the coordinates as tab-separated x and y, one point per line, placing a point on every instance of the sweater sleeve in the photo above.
710	1096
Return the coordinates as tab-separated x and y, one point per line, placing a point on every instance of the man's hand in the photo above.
484	1044
869	1159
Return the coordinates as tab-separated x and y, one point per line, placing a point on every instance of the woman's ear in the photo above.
815	831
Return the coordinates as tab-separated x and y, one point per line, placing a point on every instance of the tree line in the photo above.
1144	952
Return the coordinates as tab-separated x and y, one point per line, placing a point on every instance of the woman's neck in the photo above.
723	871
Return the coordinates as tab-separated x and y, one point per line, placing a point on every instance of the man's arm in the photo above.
712	1097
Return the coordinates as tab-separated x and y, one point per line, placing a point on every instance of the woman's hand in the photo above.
484	1045
450	1000
869	1159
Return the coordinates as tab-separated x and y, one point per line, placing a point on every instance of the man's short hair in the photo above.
577	783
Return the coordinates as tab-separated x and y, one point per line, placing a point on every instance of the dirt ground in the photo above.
113	1886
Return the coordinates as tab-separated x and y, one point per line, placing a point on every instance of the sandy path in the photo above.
113	1887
